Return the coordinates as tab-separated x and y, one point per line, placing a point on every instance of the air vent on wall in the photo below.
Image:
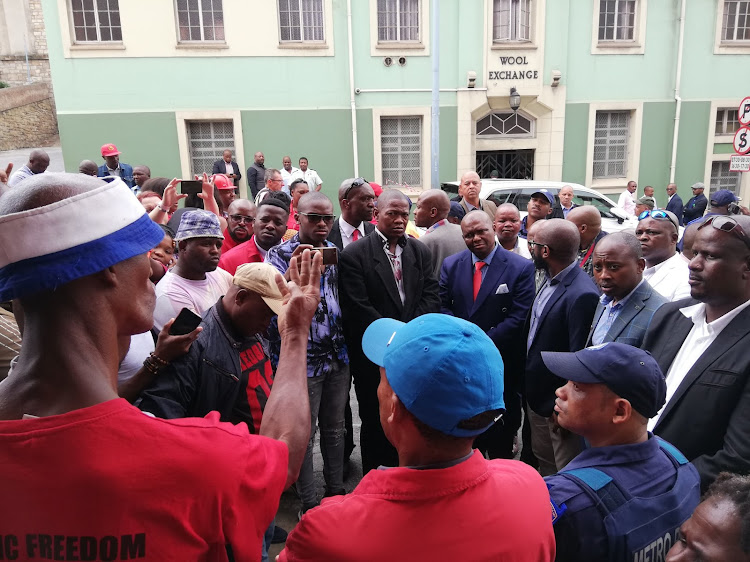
402	61
388	61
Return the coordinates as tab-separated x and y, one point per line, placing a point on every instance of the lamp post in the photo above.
515	99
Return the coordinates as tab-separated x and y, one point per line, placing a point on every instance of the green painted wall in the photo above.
724	148
691	146
143	138
448	144
574	149
656	147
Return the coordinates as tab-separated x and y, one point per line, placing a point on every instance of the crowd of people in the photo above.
169	366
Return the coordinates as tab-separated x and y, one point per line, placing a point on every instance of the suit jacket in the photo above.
502	304
221	168
633	320
707	417
368	291
695	208
335	234
563	326
557	211
446	240
675	206
126	173
256	178
487	206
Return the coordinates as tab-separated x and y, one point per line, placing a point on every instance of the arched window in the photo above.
505	124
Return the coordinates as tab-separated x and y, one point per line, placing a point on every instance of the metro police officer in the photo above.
625	496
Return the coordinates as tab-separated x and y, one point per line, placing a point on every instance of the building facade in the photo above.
347	84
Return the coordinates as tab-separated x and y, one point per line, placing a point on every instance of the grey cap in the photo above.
650	202
698	185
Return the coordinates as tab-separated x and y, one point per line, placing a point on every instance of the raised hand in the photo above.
301	294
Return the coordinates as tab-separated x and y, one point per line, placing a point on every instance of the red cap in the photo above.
109	150
221	181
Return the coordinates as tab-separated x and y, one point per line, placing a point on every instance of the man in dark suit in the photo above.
228	167
701	345
385	274
674	203
492	288
357	203
559	321
697	204
628	304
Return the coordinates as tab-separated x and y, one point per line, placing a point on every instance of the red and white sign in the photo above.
743	112
742	140
739	163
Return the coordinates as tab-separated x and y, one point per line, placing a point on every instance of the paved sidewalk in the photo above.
21	156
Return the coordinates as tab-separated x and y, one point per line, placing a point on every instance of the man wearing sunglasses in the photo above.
665	271
240	219
702	347
357	202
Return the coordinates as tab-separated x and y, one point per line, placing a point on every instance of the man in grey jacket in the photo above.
442	237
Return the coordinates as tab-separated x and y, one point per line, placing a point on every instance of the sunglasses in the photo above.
727	224
316	218
658	215
242	219
358	182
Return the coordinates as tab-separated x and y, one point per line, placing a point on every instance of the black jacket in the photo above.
335	234
694	208
256	178
221	168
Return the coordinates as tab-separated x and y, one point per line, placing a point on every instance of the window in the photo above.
96	22
617	20
200	20
301	20
506	124
726	121
206	142
398	20
735	24
611	132
511	20
401	146
722	178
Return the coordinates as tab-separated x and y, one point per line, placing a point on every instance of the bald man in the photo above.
88	167
469	190
37	164
443	238
559	321
561	210
507	225
588	221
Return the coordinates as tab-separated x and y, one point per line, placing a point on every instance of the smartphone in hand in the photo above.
186	322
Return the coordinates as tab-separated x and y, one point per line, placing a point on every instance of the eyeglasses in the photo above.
358	182
533	244
727	224
315	217
242	219
658	215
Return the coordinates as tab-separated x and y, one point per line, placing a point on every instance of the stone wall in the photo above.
27	117
13	69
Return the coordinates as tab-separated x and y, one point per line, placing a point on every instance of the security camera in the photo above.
556	76
471	79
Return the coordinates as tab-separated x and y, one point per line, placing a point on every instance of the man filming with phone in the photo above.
327	357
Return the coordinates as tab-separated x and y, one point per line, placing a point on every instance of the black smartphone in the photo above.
191	187
186	322
330	255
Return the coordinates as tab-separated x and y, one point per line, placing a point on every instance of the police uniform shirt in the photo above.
579	531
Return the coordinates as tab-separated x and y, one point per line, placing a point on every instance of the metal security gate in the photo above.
509	164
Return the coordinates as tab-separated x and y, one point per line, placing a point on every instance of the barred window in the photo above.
616	20
96	21
401	146
511	20
726	121
735	24
506	124
722	178
200	20
207	140
611	134
301	20
398	20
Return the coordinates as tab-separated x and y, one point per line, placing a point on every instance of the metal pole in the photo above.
435	137
352	103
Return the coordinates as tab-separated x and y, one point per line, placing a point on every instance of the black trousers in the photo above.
375	447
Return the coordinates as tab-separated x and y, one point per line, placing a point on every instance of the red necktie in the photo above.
478	277
355	235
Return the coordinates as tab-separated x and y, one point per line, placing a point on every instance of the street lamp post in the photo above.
515	99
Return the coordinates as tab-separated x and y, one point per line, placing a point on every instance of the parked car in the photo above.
519	192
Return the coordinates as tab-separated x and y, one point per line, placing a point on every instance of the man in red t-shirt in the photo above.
441	385
85	474
240	219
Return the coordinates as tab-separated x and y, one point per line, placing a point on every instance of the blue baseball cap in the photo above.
456	210
444	370
722	198
628	371
546	194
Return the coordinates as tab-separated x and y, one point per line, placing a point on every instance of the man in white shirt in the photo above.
703	349
666	271
37	164
507	226
195	282
288	173
626	201
310	176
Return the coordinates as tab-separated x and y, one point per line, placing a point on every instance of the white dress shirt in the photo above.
347	230
669	278
626	202
701	336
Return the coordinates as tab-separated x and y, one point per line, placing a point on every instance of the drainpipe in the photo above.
351	88
678	99
435	113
